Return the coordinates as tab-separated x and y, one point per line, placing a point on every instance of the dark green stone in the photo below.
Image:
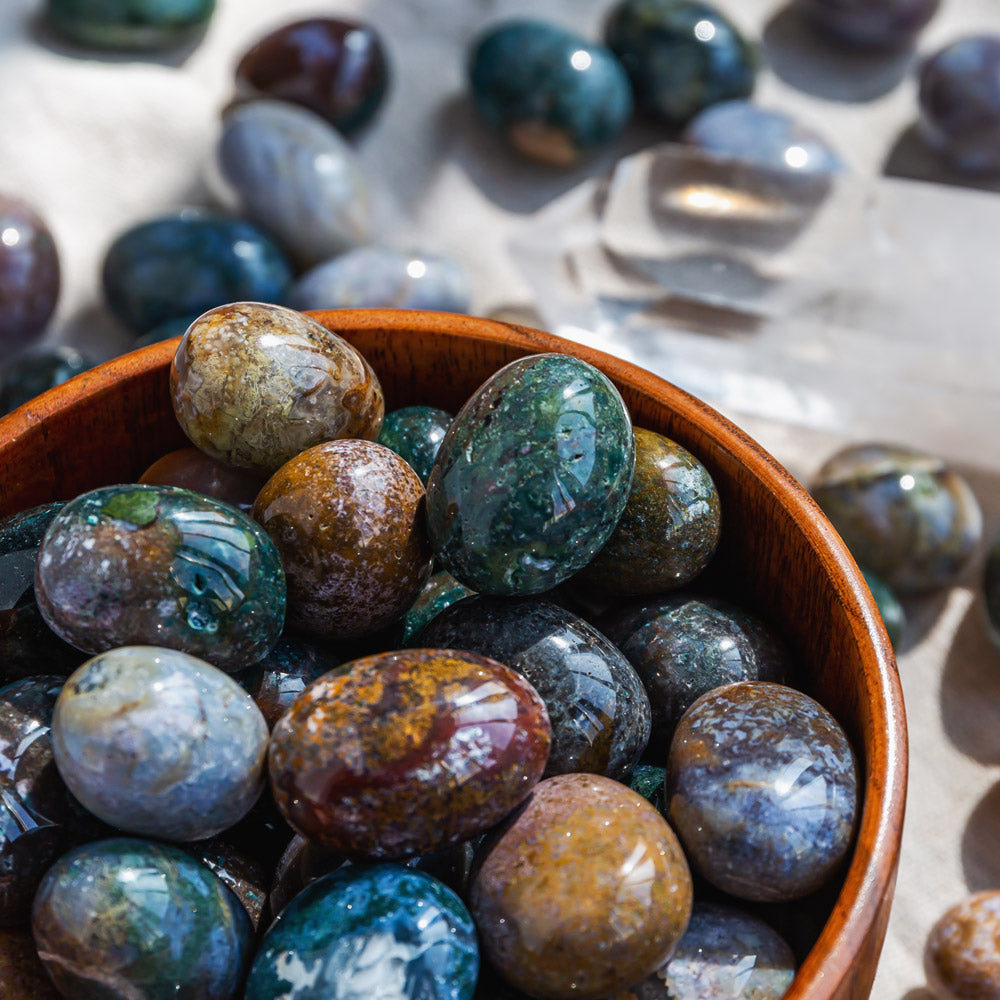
649	781
32	373
441	591
893	615
129	24
415	434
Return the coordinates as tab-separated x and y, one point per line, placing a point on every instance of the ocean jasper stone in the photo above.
29	274
552	94
532	476
408	752
36	371
162	566
959	100
962	955
415	434
904	514
441	591
869	24
159	743
334	66
181	265
377	928
670	526
132	918
892	612
381	277
129	24
254	384
615	921
297	177
762	790
681	56
596	704
191	469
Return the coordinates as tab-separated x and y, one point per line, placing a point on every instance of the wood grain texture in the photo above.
778	554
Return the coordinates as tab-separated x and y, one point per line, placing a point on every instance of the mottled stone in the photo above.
383	931
681	56
905	515
29	274
158	565
243	875
962	955
132	918
191	469
36	371
554	95
441	591
669	528
253	385
182	264
618	917
597	707
129	24
532	476
296	176
22	975
334	66
649	781
159	743
892	612
762	790
407	752
415	434
869	24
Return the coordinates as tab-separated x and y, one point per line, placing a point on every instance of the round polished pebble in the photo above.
348	519
681	56
129	24
991	590
296	176
532	476
552	94
440	591
381	277
132	918
962	955
29	274
959	101
618	917
408	752
762	790
35	371
158	565
596	704
869	24
383	931
904	514
670	526
334	66
21	972
191	469
159	743
892	612
253	385
415	434
763	136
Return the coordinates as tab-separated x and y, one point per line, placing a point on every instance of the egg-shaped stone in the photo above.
869	24
191	469
407	752
415	434
962	953
159	743
532	477
254	384
129	25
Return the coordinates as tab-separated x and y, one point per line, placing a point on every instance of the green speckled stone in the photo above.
532	476
129	24
441	591
893	615
415	434
649	781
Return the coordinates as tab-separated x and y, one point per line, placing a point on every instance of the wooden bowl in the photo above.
778	555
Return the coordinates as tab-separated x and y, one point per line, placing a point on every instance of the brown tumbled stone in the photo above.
962	957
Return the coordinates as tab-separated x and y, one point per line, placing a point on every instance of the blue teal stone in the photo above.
532	476
554	95
991	589
415	434
129	24
889	607
382	930
762	791
30	374
649	781
441	591
869	24
133	918
681	56
185	264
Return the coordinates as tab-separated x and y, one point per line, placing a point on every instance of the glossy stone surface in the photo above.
382	931
682	646
408	752
649	781
192	469
244	876
22	975
552	94
182	264
255	384
125	917
532	476
440	591
959	101
763	136
37	370
892	612
415	434
296	176
669	529
20	536
869	24
618	917
962	955
681	56
596	704
334	66
29	274
159	743
129	24
762	790
158	565
991	589
382	277
905	515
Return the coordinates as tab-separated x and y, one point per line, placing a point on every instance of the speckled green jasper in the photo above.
254	384
532	476
129	24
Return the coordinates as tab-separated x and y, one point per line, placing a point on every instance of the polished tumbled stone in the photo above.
415	434
440	591
962	954
129	24
869	24
888	604
37	370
